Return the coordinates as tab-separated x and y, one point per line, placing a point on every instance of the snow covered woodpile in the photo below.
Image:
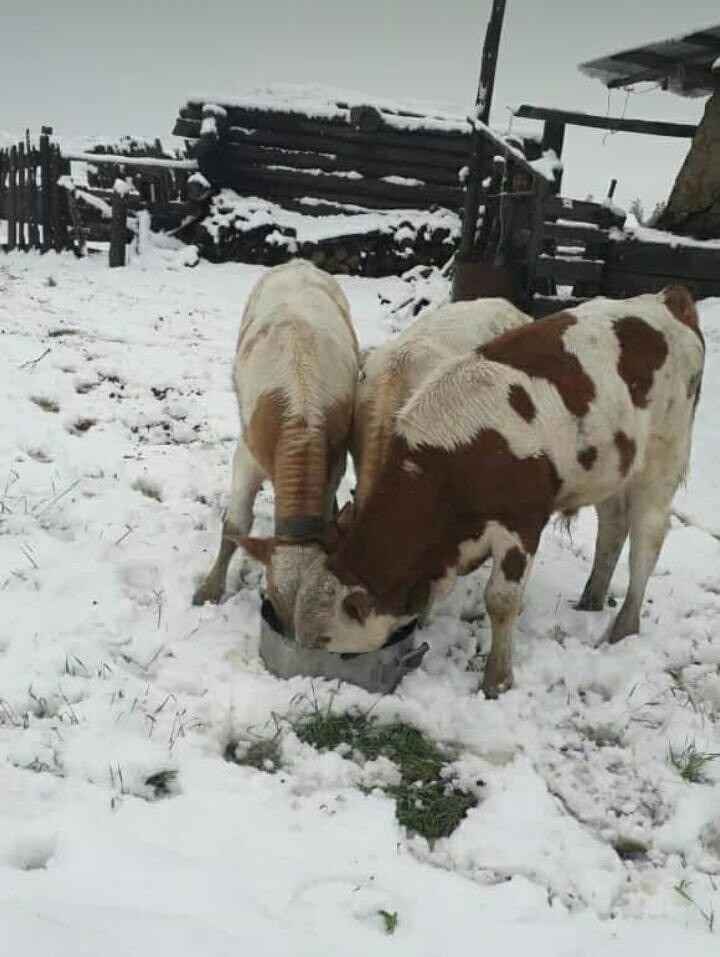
335	158
379	243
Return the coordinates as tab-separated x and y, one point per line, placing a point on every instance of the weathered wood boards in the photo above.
31	199
355	155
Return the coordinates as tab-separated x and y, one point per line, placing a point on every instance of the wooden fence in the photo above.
32	202
43	208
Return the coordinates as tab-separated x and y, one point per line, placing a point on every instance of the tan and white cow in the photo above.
295	372
392	371
592	406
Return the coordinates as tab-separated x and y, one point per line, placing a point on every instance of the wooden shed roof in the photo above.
687	65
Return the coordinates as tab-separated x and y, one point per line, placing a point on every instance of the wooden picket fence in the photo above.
32	202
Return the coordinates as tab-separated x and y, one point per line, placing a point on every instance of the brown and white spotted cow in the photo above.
589	407
392	371
295	372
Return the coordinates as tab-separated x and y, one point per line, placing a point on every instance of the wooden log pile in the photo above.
258	231
352	154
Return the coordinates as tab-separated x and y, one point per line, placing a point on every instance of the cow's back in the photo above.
296	341
395	369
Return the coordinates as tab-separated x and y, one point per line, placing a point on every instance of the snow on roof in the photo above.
685	63
323	103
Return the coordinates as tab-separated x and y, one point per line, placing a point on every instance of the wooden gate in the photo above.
32	202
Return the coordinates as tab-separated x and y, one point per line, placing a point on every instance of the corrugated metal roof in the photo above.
687	65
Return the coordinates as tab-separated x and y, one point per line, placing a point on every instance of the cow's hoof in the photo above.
589	602
621	628
207	593
496	682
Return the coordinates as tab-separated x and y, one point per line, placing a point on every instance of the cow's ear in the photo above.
418	598
261	549
357	605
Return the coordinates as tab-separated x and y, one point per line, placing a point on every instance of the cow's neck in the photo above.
405	533
300	472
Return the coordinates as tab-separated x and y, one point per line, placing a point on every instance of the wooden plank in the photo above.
595	121
33	197
622	285
542	306
45	192
584	211
11	199
118	225
575	234
401	153
568	270
60	214
338	128
427	142
21	198
251	154
682	262
368	191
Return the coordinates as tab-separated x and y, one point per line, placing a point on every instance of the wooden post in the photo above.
11	209
21	197
554	139
118	225
483	102
488	68
45	189
33	232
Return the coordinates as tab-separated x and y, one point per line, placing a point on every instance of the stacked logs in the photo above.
262	233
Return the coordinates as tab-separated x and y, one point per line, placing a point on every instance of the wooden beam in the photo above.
594	121
488	67
478	155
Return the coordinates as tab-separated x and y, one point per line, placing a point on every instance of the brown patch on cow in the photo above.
411	525
521	402
682	305
626	450
587	457
643	350
299	459
513	564
538	350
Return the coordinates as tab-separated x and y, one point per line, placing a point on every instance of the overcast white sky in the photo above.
97	67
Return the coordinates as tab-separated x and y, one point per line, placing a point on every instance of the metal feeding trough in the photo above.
378	671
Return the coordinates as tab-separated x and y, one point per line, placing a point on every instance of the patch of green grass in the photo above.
690	763
390	920
426	801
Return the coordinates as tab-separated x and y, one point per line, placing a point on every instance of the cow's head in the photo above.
333	613
284	566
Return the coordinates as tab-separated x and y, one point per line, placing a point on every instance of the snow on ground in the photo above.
118	425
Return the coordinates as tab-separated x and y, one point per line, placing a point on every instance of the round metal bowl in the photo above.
378	671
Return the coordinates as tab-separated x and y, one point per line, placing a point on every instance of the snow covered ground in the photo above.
117	427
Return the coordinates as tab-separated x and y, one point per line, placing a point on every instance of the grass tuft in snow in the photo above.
390	920
427	801
690	763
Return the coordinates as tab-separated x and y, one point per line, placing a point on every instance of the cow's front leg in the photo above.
503	594
246	481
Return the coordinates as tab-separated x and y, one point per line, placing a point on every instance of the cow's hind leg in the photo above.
649	501
503	594
613	522
247	478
